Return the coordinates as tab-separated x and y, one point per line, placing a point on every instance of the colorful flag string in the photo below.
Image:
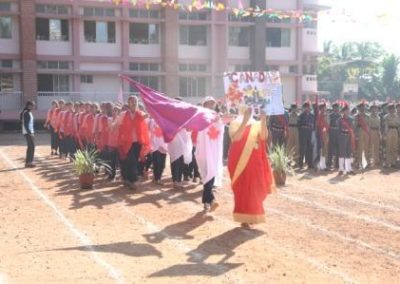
240	11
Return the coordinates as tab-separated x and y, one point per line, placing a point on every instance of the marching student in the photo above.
28	131
87	125
180	153
249	168
209	156
69	133
112	143
60	128
158	151
133	136
53	111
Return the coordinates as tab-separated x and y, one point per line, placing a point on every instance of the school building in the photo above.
75	50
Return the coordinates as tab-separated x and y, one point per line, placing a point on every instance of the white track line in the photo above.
297	199
84	240
321	266
2	278
312	261
349	198
360	243
389	252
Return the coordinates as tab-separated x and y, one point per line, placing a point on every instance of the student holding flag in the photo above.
209	156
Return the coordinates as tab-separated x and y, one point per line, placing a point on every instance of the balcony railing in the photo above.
44	99
10	101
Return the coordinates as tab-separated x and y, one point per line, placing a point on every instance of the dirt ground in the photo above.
319	229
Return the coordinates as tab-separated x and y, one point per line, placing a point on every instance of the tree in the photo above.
390	78
363	62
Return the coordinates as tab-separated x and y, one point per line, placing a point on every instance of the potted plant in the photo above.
281	162
85	163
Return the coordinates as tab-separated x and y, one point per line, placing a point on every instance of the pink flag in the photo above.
120	97
170	114
240	5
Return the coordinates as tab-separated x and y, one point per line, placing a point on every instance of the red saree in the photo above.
251	176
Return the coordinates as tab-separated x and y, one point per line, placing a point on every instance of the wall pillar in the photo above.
28	49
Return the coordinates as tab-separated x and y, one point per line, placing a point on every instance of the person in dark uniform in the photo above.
306	125
278	126
346	142
333	149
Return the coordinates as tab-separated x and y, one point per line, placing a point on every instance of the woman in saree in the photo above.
249	168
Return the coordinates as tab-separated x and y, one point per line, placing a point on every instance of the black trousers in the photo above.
30	151
54	139
112	158
69	146
144	165
192	170
158	164
306	150
177	168
278	137
129	166
61	143
208	195
333	148
227	142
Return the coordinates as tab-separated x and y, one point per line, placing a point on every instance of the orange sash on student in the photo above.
87	127
133	129
103	132
251	174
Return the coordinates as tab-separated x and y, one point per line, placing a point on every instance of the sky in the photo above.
361	20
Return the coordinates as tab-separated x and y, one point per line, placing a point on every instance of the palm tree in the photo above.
390	78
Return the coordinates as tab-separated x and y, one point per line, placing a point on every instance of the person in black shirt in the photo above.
306	126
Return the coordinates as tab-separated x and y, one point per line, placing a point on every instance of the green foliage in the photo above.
87	161
365	63
281	160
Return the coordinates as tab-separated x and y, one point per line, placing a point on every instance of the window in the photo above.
98	12
192	86
310	24
277	37
150	81
87	79
146	14
144	66
293	69
143	33
239	36
242	68
52	9
272	68
52	29
193	67
99	31
196	16
6	63
5	27
63	65
5	6
193	35
6	82
53	83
